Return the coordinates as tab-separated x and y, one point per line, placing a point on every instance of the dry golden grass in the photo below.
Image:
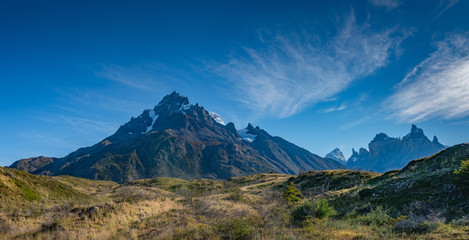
248	207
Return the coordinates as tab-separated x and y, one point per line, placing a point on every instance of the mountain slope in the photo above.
387	153
284	155
424	187
177	139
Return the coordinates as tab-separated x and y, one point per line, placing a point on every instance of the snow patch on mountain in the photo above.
245	136
184	107
153	116
217	118
337	155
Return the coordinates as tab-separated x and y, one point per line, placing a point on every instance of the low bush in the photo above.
462	175
309	210
237	229
291	194
235	195
418	225
377	217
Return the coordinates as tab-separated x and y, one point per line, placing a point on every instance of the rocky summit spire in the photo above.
171	103
415	134
437	143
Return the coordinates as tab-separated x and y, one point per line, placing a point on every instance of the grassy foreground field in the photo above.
425	200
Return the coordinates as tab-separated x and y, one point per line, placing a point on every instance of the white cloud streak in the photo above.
290	73
149	77
442	7
438	87
389	4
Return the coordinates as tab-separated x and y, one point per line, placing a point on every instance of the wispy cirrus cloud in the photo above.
442	7
438	87
149	76
346	104
389	4
335	109
289	72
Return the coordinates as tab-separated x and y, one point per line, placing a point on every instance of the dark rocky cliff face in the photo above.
388	153
177	139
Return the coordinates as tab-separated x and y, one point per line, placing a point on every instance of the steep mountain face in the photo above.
174	139
388	153
282	154
337	155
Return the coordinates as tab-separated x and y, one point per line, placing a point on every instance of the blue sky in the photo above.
321	74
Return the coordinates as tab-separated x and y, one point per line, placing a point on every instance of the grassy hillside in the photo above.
424	187
425	200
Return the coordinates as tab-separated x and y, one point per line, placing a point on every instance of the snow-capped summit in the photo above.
172	103
217	118
337	155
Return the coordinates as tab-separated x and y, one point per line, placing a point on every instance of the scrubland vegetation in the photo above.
426	200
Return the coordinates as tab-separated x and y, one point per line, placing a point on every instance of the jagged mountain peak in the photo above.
363	151
337	155
387	153
174	97
172	103
177	139
437	143
381	137
415	134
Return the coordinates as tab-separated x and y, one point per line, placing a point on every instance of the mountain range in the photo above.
387	153
178	139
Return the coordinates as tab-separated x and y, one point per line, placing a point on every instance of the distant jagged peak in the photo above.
415	134
231	128
354	152
363	151
337	155
437	143
381	137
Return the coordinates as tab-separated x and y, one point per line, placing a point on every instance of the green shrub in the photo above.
308	210
291	194
462	174
237	229
235	195
376	217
